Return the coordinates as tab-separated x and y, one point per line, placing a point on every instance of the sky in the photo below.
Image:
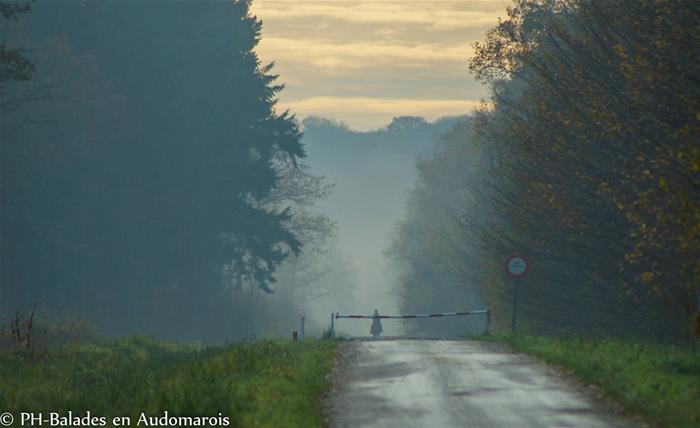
364	62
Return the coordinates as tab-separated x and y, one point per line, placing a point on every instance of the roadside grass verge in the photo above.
263	384
659	382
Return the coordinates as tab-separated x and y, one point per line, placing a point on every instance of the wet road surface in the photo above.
455	383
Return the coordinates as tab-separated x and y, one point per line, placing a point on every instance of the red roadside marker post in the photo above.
516	266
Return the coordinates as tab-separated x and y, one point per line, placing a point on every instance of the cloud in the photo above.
366	61
432	14
328	56
372	113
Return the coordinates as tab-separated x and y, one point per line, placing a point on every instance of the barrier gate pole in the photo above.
332	326
515	304
487	324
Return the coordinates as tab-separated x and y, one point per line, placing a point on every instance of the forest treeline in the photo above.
334	141
148	181
585	159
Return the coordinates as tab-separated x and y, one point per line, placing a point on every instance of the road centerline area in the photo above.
455	383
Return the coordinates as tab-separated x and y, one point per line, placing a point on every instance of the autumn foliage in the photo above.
590	165
600	104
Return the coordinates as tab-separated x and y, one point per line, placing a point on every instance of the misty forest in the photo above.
152	184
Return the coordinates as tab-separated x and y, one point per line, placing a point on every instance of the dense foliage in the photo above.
144	166
587	161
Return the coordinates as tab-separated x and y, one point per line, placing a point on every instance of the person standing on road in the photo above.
376	328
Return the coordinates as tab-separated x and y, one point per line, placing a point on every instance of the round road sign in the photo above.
516	266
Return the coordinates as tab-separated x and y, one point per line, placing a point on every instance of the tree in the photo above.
155	171
590	103
584	159
14	64
434	251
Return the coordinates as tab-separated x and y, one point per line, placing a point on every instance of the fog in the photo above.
135	199
153	182
372	173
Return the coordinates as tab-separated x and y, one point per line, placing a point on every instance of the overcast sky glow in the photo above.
365	62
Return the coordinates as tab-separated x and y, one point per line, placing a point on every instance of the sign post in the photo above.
516	268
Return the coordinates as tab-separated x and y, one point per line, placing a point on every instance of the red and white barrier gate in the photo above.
486	312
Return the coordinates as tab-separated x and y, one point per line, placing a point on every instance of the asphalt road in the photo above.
452	383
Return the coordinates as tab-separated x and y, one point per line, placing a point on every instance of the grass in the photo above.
263	384
659	382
